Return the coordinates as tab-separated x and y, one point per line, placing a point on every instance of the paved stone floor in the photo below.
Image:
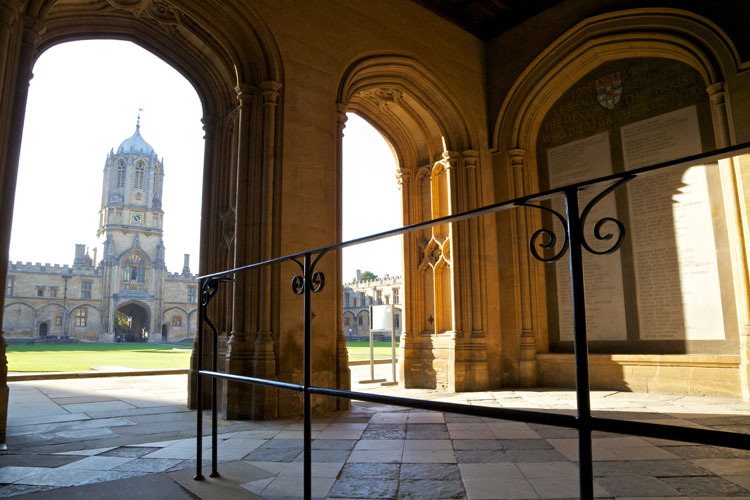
132	437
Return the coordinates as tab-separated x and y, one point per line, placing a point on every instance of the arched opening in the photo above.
442	340
43	328
132	323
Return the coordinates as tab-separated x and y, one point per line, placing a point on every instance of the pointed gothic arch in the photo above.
657	33
229	55
425	126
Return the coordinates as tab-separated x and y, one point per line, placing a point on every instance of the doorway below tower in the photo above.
131	323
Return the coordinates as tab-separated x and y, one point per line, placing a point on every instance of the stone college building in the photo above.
482	102
126	292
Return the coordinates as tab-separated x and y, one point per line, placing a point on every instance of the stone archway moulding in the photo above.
667	33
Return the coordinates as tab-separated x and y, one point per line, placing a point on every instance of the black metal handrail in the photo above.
312	281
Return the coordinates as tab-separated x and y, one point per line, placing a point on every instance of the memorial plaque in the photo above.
674	251
605	309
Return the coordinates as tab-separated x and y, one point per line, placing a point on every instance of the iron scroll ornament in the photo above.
550	239
317	278
208	290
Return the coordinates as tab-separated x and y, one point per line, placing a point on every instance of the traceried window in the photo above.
346	320
387	299
9	287
121	174
395	296
81	316
86	290
140	175
133	270
191	294
346	299
379	296
359	321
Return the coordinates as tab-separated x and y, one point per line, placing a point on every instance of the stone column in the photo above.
239	350
15	82
343	373
265	399
477	372
407	351
528	370
209	133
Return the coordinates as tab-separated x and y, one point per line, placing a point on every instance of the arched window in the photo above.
133	270
140	175
121	174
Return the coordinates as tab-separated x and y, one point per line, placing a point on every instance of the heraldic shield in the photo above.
609	90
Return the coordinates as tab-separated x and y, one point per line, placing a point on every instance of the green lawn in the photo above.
81	357
361	350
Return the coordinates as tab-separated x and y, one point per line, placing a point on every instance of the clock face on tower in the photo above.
136	217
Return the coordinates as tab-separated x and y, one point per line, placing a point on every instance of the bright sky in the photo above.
372	201
83	102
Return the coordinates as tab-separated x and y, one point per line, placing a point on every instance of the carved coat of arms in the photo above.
609	90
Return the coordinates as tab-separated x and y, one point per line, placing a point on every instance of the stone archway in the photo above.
595	43
132	323
437	154
228	54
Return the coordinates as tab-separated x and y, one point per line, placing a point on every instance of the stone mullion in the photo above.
239	357
455	231
265	399
528	365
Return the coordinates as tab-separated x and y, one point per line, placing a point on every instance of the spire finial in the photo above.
138	121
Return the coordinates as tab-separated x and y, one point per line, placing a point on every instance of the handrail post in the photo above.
580	343
214	416
307	434
199	390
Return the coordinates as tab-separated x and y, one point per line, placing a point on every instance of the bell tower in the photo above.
132	190
130	235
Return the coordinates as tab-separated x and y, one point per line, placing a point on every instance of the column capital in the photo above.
270	91
402	176
517	157
471	158
244	93
716	88
449	159
341	117
209	126
32	30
